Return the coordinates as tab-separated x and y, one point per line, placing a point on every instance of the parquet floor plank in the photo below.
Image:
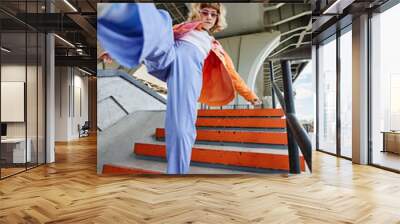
70	191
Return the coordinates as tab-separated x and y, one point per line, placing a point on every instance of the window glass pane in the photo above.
304	99
22	88
385	89
327	96
15	150
346	94
31	98
41	98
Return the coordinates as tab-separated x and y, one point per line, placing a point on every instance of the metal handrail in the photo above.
296	128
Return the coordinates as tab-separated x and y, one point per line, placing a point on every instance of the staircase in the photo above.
228	141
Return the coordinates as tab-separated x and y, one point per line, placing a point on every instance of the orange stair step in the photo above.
277	138
224	157
114	169
241	122
241	113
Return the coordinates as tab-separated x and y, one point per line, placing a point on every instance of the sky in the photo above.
305	93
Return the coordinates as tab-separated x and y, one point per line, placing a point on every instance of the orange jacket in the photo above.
220	79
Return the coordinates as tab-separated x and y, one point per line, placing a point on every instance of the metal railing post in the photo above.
294	161
272	78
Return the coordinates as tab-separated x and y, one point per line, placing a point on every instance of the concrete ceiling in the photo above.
243	18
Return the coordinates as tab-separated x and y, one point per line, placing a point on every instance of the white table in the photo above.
18	149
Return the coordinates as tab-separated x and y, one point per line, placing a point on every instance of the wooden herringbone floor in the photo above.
70	191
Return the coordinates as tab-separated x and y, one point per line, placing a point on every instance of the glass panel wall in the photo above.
304	100
385	89
346	93
14	56
41	107
31	100
22	88
327	96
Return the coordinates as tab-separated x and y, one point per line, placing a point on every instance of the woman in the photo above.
186	56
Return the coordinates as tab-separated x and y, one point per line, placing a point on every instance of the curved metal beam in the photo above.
275	7
306	13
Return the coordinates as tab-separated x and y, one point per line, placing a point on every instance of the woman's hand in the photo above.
256	101
105	57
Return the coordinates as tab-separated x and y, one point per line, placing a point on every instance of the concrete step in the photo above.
227	156
241	122
239	144
120	169
273	138
241	113
150	166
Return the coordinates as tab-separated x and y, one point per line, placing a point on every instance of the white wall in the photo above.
33	126
79	117
61	103
70	84
16	72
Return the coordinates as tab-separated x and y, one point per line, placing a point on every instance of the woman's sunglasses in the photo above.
206	13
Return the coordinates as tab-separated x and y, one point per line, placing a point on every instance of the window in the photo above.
327	97
22	88
385	89
346	94
304	99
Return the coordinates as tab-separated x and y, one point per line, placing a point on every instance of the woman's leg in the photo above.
184	86
135	33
